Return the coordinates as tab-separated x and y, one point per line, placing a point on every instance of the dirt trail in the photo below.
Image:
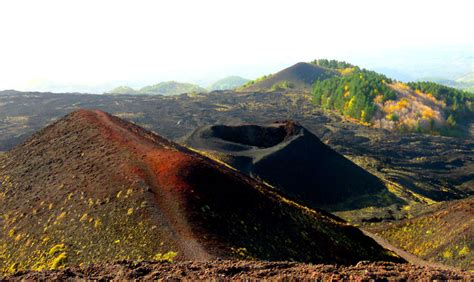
406	255
168	202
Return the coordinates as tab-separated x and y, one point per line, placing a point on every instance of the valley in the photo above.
422	167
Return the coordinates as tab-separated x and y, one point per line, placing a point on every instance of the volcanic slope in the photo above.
300	76
442	233
92	187
294	160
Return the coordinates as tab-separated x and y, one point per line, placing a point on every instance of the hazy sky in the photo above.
95	45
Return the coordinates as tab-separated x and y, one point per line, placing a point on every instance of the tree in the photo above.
451	121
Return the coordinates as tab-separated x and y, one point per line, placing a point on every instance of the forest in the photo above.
353	94
373	98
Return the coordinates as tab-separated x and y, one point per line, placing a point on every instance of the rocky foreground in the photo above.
226	270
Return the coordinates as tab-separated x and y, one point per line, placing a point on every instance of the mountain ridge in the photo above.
166	88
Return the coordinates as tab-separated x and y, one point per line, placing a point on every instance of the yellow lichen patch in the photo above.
447	254
13	268
83	217
61	216
56	249
169	256
242	252
97	223
58	261
18	237
398	190
464	251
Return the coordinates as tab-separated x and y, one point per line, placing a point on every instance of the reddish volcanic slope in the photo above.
92	188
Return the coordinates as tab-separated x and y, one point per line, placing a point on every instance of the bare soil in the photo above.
243	270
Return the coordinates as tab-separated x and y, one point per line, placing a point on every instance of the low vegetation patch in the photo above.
444	234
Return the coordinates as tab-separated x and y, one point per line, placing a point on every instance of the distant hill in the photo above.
300	76
171	88
292	159
468	78
162	88
228	83
465	82
94	188
122	90
444	233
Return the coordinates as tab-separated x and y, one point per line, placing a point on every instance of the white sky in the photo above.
106	43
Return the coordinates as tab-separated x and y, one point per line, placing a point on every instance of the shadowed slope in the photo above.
290	158
92	188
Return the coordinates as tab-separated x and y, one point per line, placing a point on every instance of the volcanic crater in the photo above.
289	157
